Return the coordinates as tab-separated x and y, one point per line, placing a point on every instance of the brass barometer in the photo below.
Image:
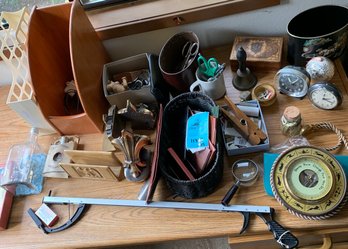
309	182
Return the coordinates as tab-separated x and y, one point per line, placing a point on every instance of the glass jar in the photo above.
291	121
20	164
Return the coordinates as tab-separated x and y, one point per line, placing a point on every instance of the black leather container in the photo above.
173	135
320	31
171	56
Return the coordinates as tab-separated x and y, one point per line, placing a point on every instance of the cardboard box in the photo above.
263	53
235	144
143	95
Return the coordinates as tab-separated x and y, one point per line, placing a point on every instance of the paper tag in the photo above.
197	132
46	215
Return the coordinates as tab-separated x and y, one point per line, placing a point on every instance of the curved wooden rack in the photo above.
63	46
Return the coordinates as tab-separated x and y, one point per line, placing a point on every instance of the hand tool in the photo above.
189	51
245	126
283	237
207	67
245	172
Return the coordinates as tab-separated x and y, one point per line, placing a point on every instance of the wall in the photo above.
219	31
215	32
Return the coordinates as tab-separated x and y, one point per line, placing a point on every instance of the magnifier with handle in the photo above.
245	172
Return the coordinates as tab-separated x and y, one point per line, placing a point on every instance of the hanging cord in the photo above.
327	126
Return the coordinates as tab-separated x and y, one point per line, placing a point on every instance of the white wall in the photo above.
219	31
215	32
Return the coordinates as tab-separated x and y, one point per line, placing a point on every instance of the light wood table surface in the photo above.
103	226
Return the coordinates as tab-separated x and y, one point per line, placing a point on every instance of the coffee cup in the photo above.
214	87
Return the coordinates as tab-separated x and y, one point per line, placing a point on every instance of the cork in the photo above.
292	113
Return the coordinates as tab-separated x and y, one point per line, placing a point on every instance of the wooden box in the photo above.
263	53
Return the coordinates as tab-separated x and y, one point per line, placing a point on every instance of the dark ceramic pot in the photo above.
171	59
320	31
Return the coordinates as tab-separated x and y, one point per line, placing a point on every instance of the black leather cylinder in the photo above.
173	135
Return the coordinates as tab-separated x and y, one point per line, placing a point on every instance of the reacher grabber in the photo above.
283	237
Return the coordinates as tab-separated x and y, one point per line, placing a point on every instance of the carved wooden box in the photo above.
263	53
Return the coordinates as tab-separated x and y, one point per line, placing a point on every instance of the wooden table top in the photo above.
111	226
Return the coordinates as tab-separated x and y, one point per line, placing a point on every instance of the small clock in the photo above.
293	81
325	95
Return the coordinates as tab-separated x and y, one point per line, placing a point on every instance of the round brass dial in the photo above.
309	182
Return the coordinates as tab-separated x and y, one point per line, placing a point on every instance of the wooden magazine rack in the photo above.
63	46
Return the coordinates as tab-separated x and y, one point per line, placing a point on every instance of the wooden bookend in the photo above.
97	165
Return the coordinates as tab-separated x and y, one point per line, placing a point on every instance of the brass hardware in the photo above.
178	20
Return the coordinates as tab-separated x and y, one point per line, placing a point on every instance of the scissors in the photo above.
207	67
189	51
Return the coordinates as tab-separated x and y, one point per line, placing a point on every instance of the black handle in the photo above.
229	195
284	237
241	57
77	215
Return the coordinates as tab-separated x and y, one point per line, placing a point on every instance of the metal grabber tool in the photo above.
282	236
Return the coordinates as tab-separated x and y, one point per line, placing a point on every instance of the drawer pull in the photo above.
178	20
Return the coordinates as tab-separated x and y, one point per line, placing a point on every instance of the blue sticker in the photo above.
197	132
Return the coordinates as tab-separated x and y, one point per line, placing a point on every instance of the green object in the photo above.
207	67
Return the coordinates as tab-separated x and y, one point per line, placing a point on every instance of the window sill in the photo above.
141	16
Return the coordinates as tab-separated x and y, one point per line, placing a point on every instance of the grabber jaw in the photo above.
246	219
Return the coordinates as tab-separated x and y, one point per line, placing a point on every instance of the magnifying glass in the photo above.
245	172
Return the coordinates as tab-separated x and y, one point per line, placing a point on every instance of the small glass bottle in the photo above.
291	121
21	162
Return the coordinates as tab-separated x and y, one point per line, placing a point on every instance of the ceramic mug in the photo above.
215	88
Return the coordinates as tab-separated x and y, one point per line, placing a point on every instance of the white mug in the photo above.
215	88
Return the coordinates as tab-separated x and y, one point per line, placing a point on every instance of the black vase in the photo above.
320	31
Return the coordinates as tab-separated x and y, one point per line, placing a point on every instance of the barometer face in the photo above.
309	182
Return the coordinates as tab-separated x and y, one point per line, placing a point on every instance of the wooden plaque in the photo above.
97	165
263	53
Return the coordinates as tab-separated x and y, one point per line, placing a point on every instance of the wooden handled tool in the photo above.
243	124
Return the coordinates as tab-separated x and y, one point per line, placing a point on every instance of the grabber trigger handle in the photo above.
284	237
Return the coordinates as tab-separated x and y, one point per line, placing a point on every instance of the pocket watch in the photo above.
325	95
309	182
293	81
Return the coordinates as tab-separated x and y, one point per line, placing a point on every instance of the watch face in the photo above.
293	81
325	96
292	84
